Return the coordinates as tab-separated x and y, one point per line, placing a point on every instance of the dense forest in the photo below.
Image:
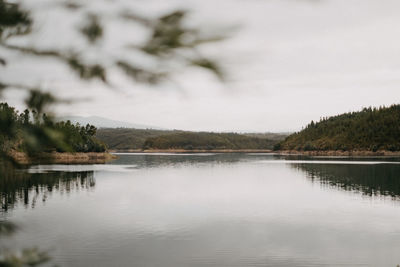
371	129
126	139
207	141
60	136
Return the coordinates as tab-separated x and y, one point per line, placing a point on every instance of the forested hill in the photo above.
371	129
207	141
127	138
130	139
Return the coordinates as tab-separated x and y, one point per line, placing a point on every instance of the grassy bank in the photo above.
63	158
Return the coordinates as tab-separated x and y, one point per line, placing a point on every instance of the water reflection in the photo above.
215	210
152	160
19	186
370	180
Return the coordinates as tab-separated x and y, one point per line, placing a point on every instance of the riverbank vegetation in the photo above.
33	133
371	129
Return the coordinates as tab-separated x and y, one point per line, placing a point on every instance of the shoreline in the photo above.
191	151
63	158
328	153
340	153
103	157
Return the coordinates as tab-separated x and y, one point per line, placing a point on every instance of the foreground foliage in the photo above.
170	44
371	129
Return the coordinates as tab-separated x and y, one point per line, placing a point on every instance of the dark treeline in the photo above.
207	141
60	136
371	129
126	139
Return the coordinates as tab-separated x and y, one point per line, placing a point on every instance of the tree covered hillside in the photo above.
132	139
207	141
371	129
126	138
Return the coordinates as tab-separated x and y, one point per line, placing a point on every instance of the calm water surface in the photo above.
209	210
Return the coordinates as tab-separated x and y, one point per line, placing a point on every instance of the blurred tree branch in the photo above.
169	41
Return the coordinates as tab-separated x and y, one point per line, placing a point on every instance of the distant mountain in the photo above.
127	139
208	141
101	122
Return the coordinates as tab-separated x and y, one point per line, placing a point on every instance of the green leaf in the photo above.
92	30
209	65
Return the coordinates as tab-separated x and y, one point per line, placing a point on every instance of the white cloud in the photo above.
289	62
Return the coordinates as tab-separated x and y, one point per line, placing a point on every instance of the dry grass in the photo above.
63	158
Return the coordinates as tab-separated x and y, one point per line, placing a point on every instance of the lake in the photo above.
209	210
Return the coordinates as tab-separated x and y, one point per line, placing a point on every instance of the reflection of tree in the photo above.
154	160
19	186
371	180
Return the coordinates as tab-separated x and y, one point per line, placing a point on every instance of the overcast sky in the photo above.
288	62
